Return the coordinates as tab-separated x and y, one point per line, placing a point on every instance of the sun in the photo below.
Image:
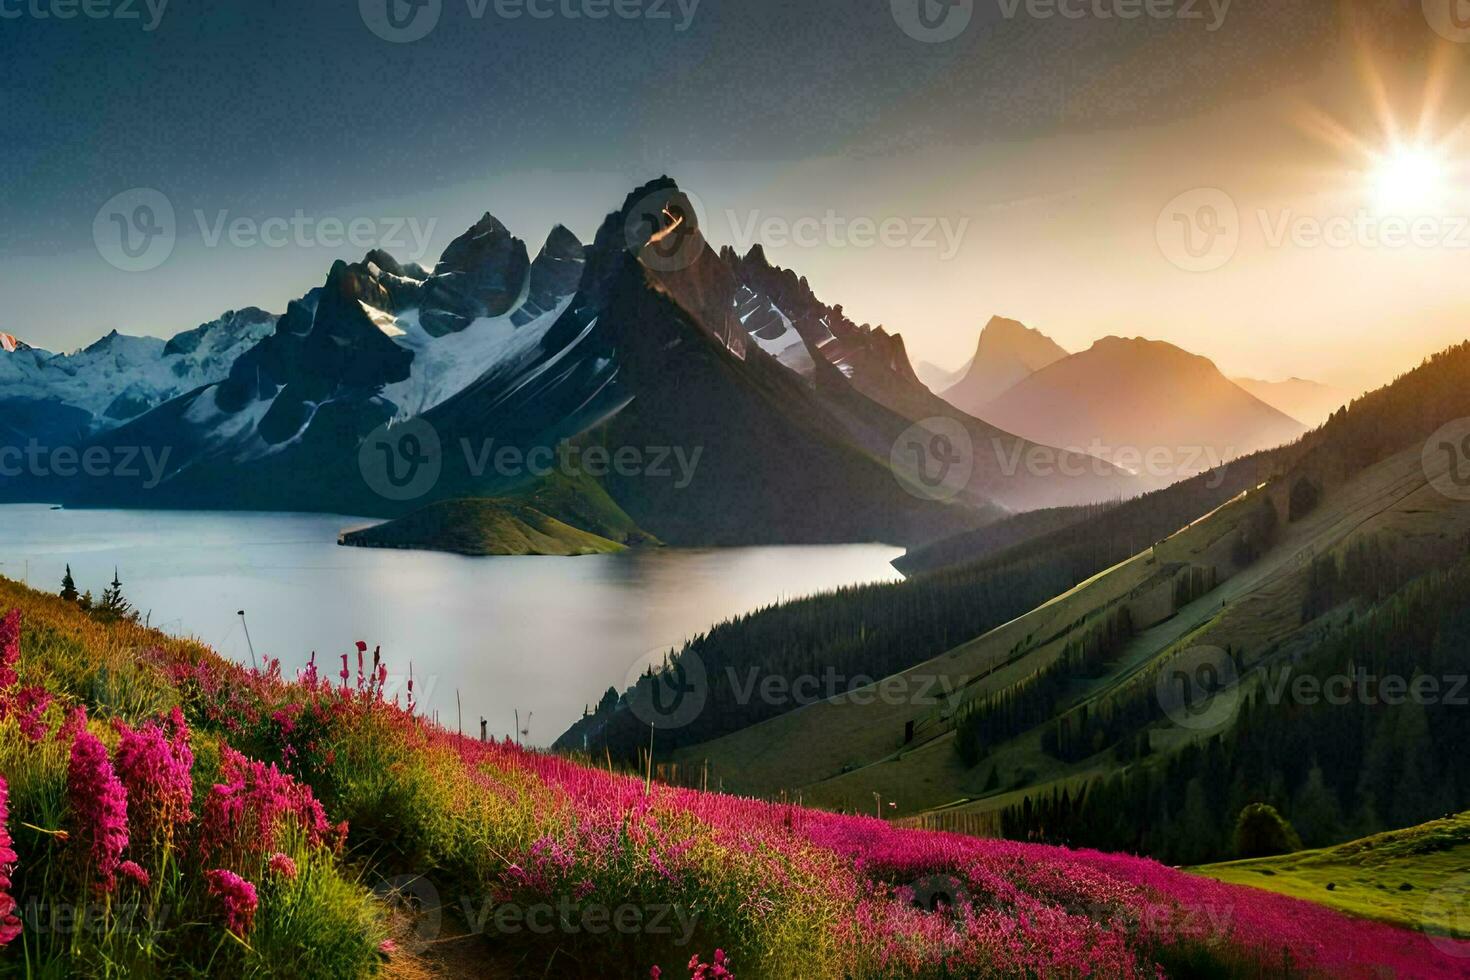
1408	180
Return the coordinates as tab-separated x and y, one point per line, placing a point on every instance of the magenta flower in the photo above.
9	648
308	674
9	922
132	871
156	767
717	969
74	724
281	864
237	899
29	709
243	816
99	802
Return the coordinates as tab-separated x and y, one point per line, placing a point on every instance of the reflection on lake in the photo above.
538	635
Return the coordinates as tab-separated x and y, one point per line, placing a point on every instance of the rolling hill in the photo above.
1344	550
1415	877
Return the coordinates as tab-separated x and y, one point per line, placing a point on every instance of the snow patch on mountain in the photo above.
773	331
444	366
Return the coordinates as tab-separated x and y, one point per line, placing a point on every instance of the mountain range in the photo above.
61	398
1156	410
799	424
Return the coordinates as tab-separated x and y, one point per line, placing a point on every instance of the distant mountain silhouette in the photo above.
1145	405
1309	402
936	378
1008	353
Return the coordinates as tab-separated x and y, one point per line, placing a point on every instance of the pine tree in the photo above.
114	605
1316	814
69	586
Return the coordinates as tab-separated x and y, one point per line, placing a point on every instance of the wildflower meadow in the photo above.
164	812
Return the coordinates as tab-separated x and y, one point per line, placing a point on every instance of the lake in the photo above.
542	636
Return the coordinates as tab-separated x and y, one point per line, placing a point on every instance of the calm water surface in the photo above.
540	635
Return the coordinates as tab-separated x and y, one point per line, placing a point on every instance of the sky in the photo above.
1224	176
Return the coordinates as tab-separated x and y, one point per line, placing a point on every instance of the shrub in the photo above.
1262	832
1305	495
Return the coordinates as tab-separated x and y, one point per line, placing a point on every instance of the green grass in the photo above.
559	516
1418	877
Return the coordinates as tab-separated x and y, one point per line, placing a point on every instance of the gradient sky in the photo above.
1052	144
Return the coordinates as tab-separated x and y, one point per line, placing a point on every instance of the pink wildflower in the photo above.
133	872
343	673
387	947
100	803
9	648
237	898
74	724
716	969
242	816
28	707
9	922
157	771
281	864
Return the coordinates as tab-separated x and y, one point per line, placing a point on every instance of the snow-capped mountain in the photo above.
646	341
118	378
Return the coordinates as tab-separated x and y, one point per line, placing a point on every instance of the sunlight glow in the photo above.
1408	180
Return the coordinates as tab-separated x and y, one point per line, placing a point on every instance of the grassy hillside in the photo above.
482	527
1344	558
207	820
558	516
881	630
1417	878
